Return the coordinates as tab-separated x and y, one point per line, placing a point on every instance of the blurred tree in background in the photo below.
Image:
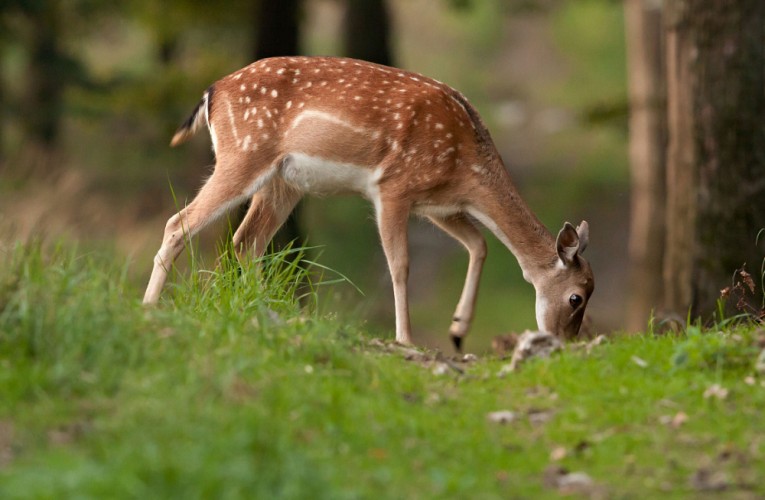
647	150
695	220
716	156
366	31
96	89
39	27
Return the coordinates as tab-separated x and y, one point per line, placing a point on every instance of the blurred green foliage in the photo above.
141	66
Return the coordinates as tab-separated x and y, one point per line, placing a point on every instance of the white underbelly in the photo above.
319	176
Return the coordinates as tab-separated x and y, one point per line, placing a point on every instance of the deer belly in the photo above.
315	175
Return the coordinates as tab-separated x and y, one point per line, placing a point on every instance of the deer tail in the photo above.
201	114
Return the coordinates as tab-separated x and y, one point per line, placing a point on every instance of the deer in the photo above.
285	127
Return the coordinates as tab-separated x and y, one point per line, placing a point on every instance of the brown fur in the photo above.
423	144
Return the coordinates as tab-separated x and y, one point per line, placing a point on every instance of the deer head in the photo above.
565	286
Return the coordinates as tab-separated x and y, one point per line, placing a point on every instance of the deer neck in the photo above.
503	211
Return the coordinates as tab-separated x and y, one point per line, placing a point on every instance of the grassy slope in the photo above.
231	390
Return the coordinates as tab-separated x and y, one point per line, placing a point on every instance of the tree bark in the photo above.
716	156
730	141
647	146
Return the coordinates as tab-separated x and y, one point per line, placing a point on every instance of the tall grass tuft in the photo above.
64	316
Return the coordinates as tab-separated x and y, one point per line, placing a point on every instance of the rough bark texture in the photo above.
730	140
647	146
716	157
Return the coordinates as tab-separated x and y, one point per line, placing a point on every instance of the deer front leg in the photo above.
392	220
460	228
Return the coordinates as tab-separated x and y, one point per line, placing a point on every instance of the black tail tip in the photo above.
457	341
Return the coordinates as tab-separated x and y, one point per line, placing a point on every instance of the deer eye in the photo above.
575	300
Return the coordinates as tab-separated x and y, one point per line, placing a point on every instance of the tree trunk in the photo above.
278	34
681	167
716	157
730	141
647	146
367	31
278	25
44	83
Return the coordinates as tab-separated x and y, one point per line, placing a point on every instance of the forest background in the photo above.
92	92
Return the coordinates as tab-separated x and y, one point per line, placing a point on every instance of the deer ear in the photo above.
568	244
583	230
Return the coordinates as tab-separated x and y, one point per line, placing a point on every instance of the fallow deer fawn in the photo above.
285	127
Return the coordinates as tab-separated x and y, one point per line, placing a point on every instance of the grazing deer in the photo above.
285	127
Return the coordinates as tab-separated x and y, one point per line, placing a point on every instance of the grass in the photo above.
233	388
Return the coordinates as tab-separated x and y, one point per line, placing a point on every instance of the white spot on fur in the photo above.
274	93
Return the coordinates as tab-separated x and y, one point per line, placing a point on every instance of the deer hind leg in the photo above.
269	209
460	228
392	220
217	196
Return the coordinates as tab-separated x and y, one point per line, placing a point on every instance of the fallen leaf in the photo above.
469	358
639	361
534	345
716	391
558	453
679	419
759	365
557	477
501	416
503	344
707	480
538	416
440	369
574	481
